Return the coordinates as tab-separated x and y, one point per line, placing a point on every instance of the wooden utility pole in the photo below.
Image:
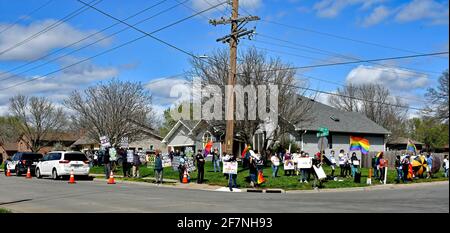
236	32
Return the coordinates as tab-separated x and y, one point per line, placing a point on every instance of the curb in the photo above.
369	188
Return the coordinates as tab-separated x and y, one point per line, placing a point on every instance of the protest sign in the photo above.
230	167
176	163
112	154
104	141
130	155
320	172
304	162
124	142
166	161
190	165
289	165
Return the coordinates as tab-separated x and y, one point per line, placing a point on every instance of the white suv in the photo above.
60	163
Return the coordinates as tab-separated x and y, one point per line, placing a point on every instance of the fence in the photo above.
366	161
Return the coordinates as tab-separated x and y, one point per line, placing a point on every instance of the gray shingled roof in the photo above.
190	123
349	122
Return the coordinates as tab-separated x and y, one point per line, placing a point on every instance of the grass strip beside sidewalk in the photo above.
281	182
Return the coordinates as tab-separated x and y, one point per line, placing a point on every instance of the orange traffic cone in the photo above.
72	178
28	173
111	179
185	178
8	172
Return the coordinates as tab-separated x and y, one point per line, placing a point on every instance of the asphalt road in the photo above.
21	195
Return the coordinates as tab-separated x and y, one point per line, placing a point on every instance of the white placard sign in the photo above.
104	141
304	162
356	162
124	142
289	165
320	172
130	155
230	167
166	161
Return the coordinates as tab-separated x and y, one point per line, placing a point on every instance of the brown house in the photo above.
8	149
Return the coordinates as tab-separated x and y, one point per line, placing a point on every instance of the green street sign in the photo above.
323	132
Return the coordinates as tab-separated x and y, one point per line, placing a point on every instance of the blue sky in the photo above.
414	25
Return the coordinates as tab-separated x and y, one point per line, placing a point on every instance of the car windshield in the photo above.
75	157
33	157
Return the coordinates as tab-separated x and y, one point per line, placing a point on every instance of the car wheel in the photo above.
38	173
17	170
55	174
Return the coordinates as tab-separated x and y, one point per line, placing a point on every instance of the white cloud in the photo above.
56	87
379	14
332	8
435	11
161	88
392	78
58	37
205	4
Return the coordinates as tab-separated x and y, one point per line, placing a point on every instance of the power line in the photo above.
88	45
327	52
52	26
341	37
29	14
149	34
356	62
104	52
349	97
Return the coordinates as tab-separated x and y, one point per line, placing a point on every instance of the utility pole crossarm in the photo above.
230	20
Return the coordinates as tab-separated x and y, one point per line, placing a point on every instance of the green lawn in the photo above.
282	182
4	211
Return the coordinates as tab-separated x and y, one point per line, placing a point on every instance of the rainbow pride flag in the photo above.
411	146
208	147
359	144
246	150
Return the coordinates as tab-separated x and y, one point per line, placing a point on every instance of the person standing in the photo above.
333	163
288	159
354	164
253	172
304	172
232	178
107	163
275	165
399	168
429	166
342	162
200	160
445	166
216	160
382	165
182	167
136	165
405	168
158	168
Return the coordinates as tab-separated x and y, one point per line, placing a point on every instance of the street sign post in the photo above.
323	132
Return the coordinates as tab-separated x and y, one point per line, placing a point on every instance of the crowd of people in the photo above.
349	165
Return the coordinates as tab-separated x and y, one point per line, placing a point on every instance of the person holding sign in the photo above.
355	164
200	166
158	168
305	164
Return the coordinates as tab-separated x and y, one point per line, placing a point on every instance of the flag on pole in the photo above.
411	146
208	148
359	144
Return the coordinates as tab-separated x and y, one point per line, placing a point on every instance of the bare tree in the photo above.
376	102
114	109
37	119
290	112
439	98
8	129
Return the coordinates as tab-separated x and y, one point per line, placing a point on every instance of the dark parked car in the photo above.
21	161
